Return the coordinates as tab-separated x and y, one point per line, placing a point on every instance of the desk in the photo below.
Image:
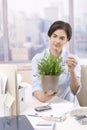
69	124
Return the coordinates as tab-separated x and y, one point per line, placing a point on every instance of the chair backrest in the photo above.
82	95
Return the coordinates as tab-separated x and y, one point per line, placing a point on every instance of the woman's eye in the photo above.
62	38
54	36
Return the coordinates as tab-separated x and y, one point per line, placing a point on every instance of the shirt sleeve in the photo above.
78	71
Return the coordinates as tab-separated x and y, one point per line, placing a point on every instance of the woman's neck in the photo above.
54	53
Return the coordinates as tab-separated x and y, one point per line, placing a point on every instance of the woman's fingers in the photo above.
71	61
51	92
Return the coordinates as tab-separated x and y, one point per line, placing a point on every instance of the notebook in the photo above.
15	123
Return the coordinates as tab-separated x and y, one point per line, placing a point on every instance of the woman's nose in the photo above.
57	42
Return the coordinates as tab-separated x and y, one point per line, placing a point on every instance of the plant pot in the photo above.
50	82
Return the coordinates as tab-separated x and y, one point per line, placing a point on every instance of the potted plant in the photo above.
49	69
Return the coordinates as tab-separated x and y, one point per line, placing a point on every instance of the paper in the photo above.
58	109
3	81
8	100
1	105
0	84
45	126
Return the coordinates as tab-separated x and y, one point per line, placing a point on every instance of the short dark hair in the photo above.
61	25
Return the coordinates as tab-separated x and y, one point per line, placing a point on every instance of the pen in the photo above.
43	124
61	118
33	115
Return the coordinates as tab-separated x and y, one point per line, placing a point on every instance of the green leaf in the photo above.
50	65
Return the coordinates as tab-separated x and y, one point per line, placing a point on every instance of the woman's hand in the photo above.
52	93
74	82
71	62
45	96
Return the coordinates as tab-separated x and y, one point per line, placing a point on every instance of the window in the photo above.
1	34
80	24
28	22
24	25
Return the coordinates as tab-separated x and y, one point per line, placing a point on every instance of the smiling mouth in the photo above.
57	46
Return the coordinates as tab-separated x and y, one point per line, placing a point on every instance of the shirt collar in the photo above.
63	54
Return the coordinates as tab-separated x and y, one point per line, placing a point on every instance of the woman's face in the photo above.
57	40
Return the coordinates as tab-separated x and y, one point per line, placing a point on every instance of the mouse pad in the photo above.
19	122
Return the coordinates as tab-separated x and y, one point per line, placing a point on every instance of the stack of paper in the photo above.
58	109
3	81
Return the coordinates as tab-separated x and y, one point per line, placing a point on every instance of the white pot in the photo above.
50	82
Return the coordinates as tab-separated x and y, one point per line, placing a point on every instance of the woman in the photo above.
59	34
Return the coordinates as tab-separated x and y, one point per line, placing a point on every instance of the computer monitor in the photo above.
10	70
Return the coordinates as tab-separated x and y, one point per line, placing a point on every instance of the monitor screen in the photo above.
19	122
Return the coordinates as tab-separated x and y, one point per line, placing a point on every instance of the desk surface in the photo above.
68	123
